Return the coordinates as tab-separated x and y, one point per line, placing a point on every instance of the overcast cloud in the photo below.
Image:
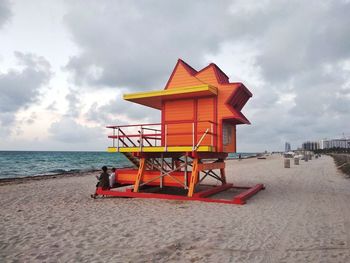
301	51
136	43
20	88
5	12
293	55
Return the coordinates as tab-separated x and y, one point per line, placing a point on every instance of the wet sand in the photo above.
302	216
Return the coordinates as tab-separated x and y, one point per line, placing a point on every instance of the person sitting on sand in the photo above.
112	178
103	181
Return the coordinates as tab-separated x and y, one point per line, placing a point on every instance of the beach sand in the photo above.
302	216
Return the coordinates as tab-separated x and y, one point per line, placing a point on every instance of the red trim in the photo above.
242	197
220	70
238	116
172	74
216	121
187	67
134	135
213	190
132	125
195	103
186	133
246	90
187	121
239	199
158	154
220	76
163	124
208	155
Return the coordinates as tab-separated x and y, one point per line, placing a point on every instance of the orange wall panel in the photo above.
205	112
205	109
208	76
128	176
179	134
179	110
181	78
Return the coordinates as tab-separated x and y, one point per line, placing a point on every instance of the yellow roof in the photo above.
154	99
161	149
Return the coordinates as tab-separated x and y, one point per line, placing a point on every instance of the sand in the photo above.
302	216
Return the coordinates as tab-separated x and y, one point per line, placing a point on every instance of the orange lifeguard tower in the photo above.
199	114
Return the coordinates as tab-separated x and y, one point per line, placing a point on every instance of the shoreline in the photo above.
294	219
30	178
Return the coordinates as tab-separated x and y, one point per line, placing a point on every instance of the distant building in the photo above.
310	146
335	143
287	147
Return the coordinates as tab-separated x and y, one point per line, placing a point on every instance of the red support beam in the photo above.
202	196
213	190
242	197
208	155
211	166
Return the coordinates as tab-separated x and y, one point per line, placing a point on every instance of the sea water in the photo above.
28	163
243	155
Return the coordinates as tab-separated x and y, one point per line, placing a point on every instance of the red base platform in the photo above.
202	196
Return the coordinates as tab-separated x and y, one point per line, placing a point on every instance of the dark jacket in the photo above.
104	181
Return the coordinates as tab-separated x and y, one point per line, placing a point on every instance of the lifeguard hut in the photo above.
200	111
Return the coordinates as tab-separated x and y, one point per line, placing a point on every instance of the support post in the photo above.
185	177
161	172
193	136
141	139
140	174
212	135
194	177
222	174
118	139
114	137
166	138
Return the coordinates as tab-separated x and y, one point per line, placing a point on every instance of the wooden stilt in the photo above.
194	177
222	171
223	175
140	174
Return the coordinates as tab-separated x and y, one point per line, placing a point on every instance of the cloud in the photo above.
135	44
118	111
20	88
5	12
296	50
68	131
73	103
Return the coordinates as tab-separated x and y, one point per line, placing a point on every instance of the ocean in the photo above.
14	164
243	155
27	163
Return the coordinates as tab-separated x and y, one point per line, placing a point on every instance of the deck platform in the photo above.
203	196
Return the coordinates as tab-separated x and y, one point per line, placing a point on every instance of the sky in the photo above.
64	66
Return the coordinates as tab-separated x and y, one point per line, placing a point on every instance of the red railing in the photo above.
157	134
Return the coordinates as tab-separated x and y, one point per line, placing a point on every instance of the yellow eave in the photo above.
154	98
161	149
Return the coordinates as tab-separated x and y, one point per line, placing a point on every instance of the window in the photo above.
226	134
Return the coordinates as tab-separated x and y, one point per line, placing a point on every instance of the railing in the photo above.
157	134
